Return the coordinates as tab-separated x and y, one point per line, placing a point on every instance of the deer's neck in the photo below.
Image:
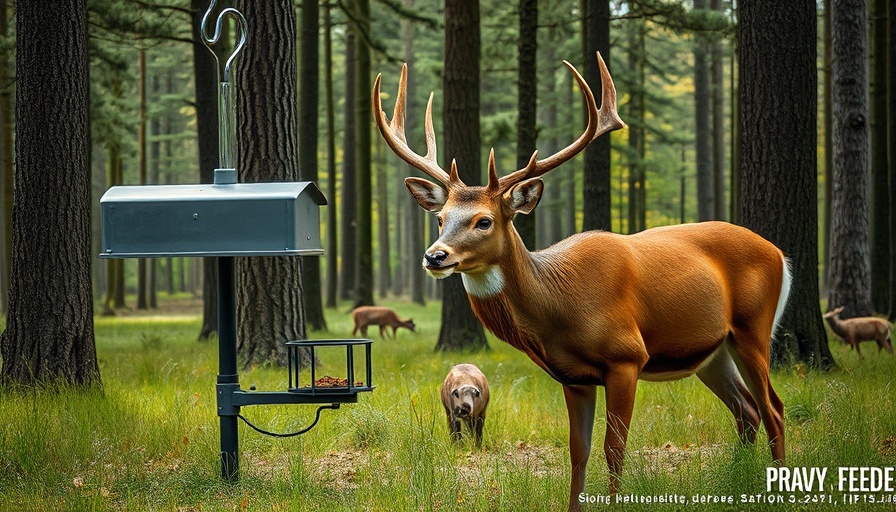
837	326
500	297
484	284
513	271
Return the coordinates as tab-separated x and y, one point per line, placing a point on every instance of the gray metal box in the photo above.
242	219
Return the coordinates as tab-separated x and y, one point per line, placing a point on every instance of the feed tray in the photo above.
316	382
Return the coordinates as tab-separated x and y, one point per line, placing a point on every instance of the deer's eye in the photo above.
456	394
484	224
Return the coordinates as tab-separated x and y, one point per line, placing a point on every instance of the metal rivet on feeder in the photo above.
225	220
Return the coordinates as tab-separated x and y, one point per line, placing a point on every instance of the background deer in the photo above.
601	309
856	330
383	317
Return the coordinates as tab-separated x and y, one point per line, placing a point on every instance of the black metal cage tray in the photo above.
350	382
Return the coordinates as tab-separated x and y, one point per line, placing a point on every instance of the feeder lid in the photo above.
242	219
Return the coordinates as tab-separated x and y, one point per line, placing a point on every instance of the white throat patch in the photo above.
484	284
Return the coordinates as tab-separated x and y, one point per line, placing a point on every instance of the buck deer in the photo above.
381	316
602	309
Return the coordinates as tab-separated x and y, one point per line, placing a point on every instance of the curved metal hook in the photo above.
241	26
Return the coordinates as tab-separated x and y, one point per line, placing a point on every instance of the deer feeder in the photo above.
224	220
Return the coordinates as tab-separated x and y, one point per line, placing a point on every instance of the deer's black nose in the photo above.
435	259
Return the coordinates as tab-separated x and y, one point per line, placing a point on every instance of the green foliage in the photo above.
150	441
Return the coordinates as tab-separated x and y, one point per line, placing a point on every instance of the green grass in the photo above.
150	440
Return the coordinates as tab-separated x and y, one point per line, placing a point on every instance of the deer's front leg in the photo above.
620	385
580	408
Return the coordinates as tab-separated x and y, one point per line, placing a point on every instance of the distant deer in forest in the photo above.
856	330
381	316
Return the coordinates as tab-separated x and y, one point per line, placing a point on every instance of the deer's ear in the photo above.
429	196
524	196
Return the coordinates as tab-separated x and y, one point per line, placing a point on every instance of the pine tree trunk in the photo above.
141	166
332	242
270	309
384	270
717	88
49	337
880	190
416	240
702	133
552	216
348	273
891	147
849	273
778	161
206	83
114	268
364	193
828	145
460	328
154	155
637	209
527	104
309	89
596	188
6	165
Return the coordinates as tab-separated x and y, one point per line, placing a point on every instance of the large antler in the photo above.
599	122
393	132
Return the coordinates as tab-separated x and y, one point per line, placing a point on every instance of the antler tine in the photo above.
394	134
599	122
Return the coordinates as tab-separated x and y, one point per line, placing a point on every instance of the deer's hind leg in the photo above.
751	353
721	376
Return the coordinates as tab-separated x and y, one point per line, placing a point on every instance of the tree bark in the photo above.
347	275
702	133
460	328
384	269
49	337
206	93
527	105
828	145
416	240
270	308
6	165
596	188
717	88
891	147
142	273
850	277
364	193
880	190
637	209
778	158
332	242
309	99
114	268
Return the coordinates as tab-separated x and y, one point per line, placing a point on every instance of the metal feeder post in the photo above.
226	174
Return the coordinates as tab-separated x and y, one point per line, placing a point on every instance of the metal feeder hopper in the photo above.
224	220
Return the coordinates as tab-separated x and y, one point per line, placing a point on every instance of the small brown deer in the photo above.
381	316
465	397
856	330
603	309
